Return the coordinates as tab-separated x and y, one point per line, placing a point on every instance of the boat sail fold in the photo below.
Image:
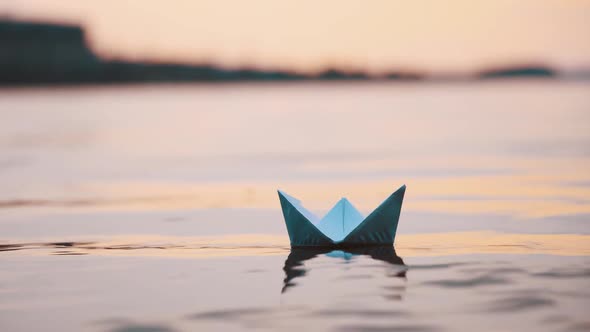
343	225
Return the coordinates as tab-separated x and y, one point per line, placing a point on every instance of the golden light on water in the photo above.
520	195
407	245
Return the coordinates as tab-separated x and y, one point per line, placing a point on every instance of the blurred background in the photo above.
215	104
110	41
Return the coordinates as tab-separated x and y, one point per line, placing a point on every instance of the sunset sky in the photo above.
374	35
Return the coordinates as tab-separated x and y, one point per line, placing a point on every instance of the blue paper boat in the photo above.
343	225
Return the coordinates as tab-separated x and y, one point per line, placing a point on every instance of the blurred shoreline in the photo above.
55	54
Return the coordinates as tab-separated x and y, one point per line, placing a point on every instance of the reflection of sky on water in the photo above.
506	148
358	291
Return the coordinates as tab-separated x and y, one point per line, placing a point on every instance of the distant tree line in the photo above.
39	53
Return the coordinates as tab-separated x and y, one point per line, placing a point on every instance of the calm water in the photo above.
153	208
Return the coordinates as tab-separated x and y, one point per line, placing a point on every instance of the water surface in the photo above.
154	207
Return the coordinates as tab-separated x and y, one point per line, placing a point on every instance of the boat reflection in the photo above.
294	265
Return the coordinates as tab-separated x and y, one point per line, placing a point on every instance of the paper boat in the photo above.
343	225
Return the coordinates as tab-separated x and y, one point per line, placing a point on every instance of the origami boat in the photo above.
343	226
